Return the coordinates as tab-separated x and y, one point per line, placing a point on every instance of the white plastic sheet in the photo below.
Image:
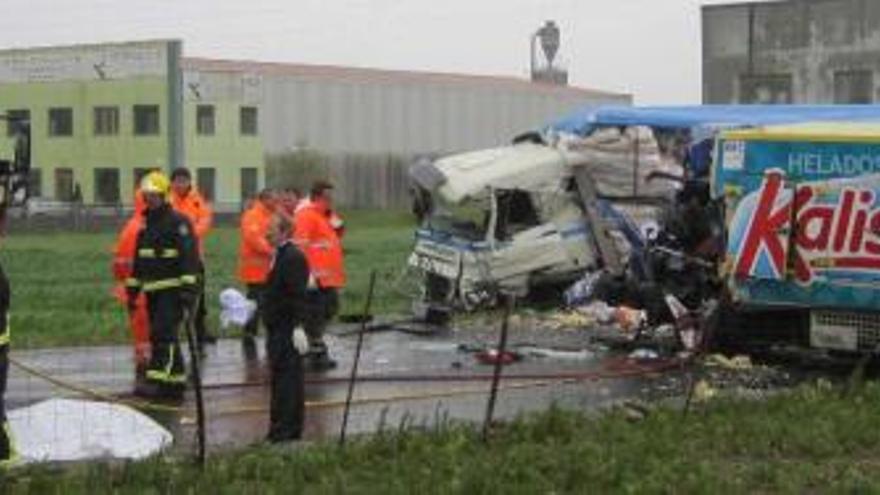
58	430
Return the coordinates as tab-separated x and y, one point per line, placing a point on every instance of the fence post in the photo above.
357	357
509	301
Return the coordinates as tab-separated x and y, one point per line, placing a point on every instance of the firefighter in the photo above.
283	301
255	252
7	448
123	263
316	236
186	200
166	269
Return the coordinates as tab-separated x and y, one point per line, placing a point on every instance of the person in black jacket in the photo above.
283	310
166	267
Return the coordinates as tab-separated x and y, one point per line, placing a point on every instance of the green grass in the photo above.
62	282
810	440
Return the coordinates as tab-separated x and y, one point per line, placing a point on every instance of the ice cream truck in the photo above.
802	207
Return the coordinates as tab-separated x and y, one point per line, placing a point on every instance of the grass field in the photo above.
813	440
62	282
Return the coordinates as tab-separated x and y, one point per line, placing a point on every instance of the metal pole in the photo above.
496	375
196	382
357	358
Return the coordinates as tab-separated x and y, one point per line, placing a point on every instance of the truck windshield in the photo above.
467	220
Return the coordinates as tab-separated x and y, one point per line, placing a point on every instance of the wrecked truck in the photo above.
623	190
513	220
503	217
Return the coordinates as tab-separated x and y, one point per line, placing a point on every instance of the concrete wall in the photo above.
798	51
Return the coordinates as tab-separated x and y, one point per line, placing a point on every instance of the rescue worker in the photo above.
187	200
123	265
320	242
7	448
283	302
166	268
255	252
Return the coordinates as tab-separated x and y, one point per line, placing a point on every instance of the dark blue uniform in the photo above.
166	269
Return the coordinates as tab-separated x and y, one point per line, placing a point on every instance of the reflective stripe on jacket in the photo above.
165	255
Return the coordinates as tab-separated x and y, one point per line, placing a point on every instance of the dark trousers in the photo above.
321	306
202	310
5	440
287	408
255	292
166	314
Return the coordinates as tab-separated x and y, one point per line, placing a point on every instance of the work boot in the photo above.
320	360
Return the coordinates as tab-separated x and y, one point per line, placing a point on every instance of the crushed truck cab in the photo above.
802	209
500	219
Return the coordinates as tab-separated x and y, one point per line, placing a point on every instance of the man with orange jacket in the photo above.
317	235
255	252
123	262
187	201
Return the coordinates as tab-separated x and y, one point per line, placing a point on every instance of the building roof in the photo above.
361	74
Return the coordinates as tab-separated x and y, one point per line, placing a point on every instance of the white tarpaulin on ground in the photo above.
75	430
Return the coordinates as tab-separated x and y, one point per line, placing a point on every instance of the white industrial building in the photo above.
356	110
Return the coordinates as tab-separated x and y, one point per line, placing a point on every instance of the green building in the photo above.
101	115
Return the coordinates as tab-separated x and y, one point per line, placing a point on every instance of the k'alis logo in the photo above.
806	229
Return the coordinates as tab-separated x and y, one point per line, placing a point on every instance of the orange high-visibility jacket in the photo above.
194	207
255	251
126	243
319	241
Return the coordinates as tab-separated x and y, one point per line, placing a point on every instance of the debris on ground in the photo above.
644	355
735	363
704	392
493	356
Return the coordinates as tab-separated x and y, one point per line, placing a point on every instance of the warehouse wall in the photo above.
406	118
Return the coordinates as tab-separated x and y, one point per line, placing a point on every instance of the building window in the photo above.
13	117
146	120
106	121
205	182
248	183
64	184
35	183
107	186
766	89
854	87
60	121
248	121
205	120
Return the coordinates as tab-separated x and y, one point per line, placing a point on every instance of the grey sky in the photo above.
650	48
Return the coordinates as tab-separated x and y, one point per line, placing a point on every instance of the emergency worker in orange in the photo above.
316	236
187	201
123	263
255	252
